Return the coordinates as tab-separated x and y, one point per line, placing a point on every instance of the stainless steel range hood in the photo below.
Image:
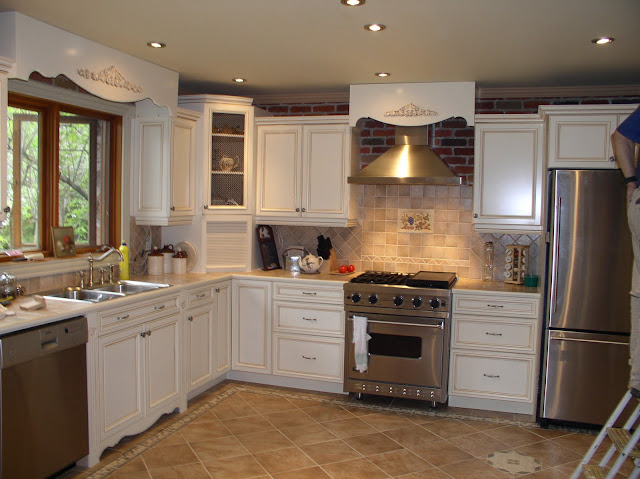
410	162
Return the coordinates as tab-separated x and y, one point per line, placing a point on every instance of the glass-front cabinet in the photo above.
225	133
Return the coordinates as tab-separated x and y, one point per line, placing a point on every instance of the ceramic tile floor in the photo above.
256	435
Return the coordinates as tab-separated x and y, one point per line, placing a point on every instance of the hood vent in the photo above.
410	162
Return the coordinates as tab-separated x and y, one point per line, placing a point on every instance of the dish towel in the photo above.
360	342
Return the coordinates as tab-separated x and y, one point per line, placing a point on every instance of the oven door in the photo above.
405	350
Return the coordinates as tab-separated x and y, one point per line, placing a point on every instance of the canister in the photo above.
155	262
179	262
168	253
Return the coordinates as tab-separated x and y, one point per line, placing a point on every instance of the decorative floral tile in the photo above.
514	462
415	221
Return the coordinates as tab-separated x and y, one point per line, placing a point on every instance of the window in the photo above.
63	165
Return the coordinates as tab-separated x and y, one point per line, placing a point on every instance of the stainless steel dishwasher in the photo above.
43	401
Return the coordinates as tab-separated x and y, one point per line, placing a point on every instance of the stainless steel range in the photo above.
406	348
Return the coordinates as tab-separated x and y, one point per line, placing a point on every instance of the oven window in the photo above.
395	345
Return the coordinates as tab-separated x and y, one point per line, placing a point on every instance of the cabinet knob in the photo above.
304	209
297	210
612	159
217	290
475	215
206	207
173	208
143	334
190	318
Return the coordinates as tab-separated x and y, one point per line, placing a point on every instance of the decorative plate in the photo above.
192	256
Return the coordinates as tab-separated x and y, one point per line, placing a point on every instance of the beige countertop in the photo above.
493	286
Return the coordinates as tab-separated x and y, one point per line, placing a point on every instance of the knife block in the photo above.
330	265
516	264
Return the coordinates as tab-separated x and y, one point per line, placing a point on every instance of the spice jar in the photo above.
168	253
155	262
180	262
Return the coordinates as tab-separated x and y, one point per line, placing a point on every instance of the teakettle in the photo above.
310	263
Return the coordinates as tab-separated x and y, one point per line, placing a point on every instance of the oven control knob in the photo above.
373	299
434	303
397	300
417	302
356	297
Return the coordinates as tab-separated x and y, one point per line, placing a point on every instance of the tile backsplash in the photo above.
451	244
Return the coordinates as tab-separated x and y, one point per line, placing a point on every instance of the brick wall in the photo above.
452	139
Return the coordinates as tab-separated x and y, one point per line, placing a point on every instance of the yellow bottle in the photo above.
124	264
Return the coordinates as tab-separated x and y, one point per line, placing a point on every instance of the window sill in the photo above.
51	266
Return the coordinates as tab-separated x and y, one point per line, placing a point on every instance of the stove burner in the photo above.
381	277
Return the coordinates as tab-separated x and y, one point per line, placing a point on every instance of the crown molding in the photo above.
521	92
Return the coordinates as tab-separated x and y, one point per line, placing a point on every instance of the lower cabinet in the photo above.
251	326
494	351
139	370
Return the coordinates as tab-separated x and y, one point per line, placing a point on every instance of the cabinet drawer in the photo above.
497	376
472	332
198	296
309	357
298	317
113	318
496	305
309	292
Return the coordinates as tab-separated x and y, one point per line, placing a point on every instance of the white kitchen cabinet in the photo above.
308	331
164	169
139	367
302	169
508	173
225	151
494	351
251	326
222	328
5	66
579	136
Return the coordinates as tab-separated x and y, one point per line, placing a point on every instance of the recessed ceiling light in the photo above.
602	40
239	80
352	3
375	27
383	74
156	44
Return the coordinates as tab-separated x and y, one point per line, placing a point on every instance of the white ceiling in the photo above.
320	46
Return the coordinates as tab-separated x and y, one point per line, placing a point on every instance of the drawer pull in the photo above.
309	319
158	308
126	316
495	305
492	376
308	293
493	334
200	295
308	357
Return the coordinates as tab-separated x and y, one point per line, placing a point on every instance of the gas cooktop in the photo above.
423	279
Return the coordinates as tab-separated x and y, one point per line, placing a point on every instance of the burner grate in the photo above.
381	277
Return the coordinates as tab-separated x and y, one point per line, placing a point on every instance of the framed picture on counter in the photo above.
64	243
268	250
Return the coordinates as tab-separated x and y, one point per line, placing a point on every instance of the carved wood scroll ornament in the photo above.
110	76
411	110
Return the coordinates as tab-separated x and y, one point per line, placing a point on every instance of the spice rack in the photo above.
516	263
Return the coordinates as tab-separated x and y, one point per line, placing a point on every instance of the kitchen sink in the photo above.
129	287
104	292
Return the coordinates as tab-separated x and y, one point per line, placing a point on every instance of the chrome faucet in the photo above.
91	260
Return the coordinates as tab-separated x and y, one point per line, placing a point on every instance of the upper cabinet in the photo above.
508	169
225	148
164	169
579	136
4	92
302	169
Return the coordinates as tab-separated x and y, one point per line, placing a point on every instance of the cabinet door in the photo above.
4	102
183	163
121	379
325	169
151	175
508	177
581	141
251	326
279	170
162	361
222	329
200	341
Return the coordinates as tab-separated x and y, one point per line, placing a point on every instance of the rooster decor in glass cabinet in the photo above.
225	134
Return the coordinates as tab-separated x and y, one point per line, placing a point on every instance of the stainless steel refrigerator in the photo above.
585	368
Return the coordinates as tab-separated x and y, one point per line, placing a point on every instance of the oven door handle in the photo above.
438	326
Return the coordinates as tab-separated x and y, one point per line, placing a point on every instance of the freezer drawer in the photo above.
585	376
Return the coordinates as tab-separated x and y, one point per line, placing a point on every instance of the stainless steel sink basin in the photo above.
83	295
104	292
129	287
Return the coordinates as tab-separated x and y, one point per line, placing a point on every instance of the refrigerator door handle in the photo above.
593	338
556	252
588	341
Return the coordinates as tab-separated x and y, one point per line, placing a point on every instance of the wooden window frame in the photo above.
49	171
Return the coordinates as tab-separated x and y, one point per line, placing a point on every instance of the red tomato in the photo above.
351	268
342	269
